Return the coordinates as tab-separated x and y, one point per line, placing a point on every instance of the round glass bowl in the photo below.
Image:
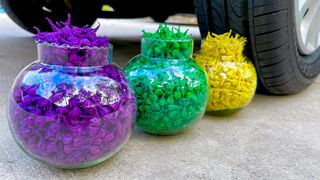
232	78
72	108
171	89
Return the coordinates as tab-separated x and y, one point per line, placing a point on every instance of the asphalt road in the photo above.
275	137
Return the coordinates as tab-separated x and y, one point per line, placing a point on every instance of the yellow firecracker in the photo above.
231	75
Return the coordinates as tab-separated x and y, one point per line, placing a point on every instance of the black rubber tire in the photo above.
30	13
272	43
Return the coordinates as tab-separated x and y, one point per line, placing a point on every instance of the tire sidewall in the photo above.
307	64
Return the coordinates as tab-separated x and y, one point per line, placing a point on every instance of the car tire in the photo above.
32	13
272	44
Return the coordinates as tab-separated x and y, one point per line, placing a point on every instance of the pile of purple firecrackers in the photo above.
73	107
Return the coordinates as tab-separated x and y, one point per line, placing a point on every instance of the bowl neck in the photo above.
167	49
74	56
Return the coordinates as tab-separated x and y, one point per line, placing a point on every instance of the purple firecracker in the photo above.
72	108
66	34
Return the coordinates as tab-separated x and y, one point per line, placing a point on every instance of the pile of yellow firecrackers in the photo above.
232	77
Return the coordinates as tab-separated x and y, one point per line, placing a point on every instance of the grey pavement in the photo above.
275	137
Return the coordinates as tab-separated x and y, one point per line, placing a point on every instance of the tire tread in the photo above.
270	45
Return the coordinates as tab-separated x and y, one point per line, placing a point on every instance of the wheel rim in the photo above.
307	15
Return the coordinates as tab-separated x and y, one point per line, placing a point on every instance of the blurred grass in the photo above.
107	8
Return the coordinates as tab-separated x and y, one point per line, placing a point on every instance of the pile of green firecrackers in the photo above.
170	87
167	43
